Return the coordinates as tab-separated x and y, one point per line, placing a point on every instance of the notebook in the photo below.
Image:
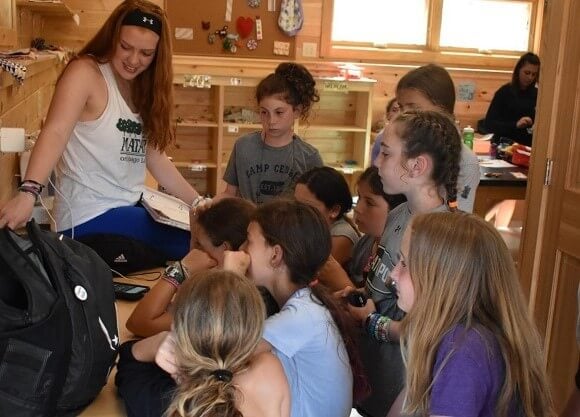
165	208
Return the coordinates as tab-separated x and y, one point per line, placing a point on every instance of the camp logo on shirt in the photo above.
267	168
134	144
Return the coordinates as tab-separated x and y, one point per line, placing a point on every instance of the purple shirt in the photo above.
468	374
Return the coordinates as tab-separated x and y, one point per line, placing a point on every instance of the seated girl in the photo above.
325	189
221	227
470	346
288	242
218	324
370	215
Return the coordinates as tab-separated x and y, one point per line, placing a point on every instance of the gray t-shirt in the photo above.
468	179
361	253
342	227
262	172
382	361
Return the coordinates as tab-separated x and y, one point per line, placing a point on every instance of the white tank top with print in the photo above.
103	164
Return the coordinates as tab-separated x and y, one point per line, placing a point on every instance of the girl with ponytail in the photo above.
217	327
419	158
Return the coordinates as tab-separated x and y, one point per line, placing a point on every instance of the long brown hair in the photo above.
304	237
218	323
152	90
463	273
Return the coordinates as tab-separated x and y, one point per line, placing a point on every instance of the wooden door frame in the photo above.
544	242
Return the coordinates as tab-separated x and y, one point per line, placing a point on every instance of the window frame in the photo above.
432	51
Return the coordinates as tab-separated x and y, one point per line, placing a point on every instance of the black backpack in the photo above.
58	326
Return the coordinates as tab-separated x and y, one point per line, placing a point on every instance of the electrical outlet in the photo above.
11	139
309	49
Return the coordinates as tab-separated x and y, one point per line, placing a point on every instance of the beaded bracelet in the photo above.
197	201
378	327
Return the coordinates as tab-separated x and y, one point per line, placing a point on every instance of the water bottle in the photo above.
468	133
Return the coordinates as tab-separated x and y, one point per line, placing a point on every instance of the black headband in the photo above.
146	20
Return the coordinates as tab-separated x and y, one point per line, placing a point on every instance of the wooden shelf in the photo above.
347	169
339	123
51	8
195	166
331	128
193	123
244	126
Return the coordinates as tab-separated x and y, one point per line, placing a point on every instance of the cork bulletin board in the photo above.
193	21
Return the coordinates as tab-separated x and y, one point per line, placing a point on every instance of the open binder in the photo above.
165	208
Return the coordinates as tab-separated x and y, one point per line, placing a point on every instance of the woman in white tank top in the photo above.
109	120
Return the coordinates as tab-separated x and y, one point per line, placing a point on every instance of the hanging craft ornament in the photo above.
258	28
205	25
211	38
291	17
229	5
229	45
252	44
244	26
223	32
16	70
254	3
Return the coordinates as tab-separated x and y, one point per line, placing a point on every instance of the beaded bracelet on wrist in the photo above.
379	327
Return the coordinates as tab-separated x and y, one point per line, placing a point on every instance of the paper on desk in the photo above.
495	163
519	175
485	137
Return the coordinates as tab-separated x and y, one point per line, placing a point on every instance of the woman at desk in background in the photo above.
109	119
512	110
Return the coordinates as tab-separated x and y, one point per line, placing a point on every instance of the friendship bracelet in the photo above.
29	191
378	327
32	183
384	329
171	281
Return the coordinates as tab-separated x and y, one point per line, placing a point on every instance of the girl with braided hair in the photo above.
430	87
266	163
419	158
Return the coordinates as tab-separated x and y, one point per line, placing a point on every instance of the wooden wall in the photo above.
93	12
24	106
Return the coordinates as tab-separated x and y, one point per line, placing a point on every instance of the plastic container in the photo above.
468	133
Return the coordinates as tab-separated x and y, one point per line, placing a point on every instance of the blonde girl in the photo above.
469	343
218	322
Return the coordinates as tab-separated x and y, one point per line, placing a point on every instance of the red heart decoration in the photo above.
244	26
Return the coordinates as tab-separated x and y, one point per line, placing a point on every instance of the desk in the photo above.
108	403
492	190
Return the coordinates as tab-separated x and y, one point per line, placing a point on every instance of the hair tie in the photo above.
146	20
223	375
452	204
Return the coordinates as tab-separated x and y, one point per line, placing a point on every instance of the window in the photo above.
391	22
507	28
452	32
